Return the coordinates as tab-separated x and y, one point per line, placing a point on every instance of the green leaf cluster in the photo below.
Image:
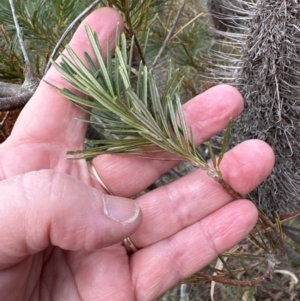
42	24
152	122
10	60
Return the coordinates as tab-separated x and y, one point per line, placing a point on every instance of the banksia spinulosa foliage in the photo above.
267	69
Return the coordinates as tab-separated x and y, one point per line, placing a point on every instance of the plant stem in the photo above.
217	176
168	37
13	96
19	34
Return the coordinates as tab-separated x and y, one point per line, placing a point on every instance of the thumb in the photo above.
46	207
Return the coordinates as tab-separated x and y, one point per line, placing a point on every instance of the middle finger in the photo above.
182	203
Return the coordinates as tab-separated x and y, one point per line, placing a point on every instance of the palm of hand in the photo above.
50	250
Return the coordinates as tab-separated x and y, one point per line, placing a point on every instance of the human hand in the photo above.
57	242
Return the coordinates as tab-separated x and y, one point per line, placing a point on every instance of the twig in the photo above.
2	124
13	96
19	34
14	102
269	224
217	176
185	25
168	37
270	260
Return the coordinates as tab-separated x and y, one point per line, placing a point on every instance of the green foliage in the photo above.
190	39
10	61
40	36
126	110
44	21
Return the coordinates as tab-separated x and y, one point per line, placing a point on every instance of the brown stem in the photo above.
269	258
272	226
130	34
2	131
13	96
13	102
217	176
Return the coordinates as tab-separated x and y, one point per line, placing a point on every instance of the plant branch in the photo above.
169	35
19	34
269	259
13	96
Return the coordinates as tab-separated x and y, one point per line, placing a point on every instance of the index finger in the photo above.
48	116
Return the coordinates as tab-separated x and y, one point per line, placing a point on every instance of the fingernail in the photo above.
122	210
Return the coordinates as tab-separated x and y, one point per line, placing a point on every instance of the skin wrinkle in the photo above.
206	243
25	226
94	281
73	277
8	277
69	114
173	200
158	216
208	234
145	290
176	271
152	213
181	256
249	180
41	225
120	166
118	163
11	248
179	212
63	115
69	234
186	258
190	199
220	233
31	223
52	226
77	265
207	114
11	169
60	277
175	257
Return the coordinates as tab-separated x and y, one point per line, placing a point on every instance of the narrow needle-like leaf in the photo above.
97	50
212	154
225	142
150	120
